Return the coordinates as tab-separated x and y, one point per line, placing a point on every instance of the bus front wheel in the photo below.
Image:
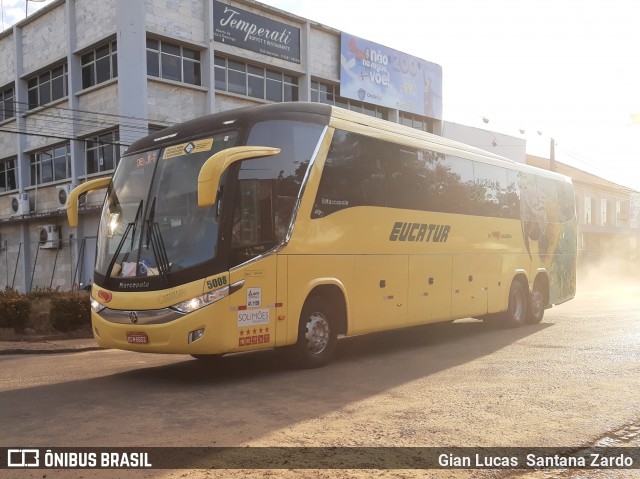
317	334
516	312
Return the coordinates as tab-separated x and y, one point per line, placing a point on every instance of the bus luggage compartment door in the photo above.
469	285
429	288
381	292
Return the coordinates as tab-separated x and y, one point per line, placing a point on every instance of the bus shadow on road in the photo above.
430	347
241	397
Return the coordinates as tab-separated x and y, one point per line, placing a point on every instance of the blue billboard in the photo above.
375	74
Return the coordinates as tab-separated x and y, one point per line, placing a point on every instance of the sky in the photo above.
569	69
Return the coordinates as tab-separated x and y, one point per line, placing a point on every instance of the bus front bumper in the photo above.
201	332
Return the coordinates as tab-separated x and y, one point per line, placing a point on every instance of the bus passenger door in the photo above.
380	300
254	265
429	288
469	285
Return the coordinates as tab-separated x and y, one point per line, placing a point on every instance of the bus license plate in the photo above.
137	338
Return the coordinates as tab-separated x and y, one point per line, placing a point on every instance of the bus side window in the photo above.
491	186
566	201
405	180
512	197
340	183
460	192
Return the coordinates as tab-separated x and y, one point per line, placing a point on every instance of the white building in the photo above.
82	79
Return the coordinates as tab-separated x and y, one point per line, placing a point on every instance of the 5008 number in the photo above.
216	282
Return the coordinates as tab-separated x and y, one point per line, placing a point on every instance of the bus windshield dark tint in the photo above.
365	171
151	223
269	187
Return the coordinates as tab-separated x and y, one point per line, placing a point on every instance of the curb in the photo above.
7	352
47	347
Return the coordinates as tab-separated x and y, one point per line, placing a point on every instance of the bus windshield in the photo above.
151	223
152	226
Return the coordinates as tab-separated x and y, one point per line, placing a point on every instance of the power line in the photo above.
84	111
69	119
83	120
68	138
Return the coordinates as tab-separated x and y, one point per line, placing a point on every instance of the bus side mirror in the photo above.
72	200
209	177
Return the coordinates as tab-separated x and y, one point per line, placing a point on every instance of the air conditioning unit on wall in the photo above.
20	204
50	237
62	195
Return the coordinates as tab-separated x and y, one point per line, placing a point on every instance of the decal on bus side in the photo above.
419	232
217	282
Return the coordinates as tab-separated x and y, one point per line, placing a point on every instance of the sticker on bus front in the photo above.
137	338
187	148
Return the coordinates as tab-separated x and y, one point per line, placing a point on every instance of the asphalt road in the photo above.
571	381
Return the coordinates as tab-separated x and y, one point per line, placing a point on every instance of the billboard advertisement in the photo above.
240	28
376	74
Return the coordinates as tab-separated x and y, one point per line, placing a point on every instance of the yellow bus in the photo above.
292	224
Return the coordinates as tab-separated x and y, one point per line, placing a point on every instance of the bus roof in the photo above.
398	133
334	117
204	125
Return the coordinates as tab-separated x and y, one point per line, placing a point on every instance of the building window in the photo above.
414	121
603	212
588	216
7	109
8	175
47	87
173	62
622	213
102	152
253	81
100	65
52	164
327	93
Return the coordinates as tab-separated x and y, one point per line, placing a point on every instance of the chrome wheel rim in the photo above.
317	333
517	306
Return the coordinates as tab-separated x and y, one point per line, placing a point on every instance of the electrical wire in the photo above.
68	120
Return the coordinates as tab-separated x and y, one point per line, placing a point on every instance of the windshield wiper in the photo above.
159	250
157	244
130	226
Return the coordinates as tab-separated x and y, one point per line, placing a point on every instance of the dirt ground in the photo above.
572	380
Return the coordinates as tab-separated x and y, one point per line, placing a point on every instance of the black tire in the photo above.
317	334
516	312
537	304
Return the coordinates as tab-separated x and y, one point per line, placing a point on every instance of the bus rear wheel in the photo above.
317	334
516	312
537	303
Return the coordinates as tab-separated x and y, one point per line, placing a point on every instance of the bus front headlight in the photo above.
96	306
198	302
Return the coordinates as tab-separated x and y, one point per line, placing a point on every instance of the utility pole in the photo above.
552	156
